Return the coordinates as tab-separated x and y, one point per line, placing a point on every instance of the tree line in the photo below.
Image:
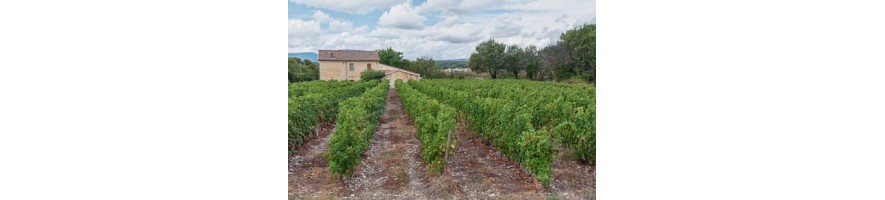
572	57
425	66
303	70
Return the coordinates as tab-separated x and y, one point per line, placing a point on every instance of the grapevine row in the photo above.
310	87
567	112
357	119
434	121
307	111
505	124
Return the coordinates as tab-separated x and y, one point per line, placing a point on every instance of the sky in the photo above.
439	29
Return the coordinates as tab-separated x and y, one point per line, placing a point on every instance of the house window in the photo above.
351	66
369	65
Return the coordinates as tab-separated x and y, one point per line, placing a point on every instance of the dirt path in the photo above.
308	173
392	168
573	180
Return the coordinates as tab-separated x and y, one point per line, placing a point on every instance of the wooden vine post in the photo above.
448	143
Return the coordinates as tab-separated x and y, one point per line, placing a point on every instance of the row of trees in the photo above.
303	70
573	56
423	65
497	58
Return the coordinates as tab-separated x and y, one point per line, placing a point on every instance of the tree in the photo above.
425	66
393	58
488	57
581	42
531	61
303	70
514	60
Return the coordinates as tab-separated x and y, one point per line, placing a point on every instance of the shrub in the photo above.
371	75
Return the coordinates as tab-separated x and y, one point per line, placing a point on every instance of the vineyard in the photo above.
442	139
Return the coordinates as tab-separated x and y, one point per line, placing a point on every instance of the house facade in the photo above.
349	64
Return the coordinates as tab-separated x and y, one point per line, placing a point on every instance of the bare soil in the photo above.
308	173
480	171
572	179
393	168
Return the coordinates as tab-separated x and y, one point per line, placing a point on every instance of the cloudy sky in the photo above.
441	29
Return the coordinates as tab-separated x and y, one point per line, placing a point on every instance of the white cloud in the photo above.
335	25
340	26
385	33
559	6
445	29
304	35
458	33
460	6
449	21
321	16
360	29
349	6
402	16
507	25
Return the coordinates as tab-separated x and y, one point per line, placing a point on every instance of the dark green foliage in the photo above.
531	60
371	75
489	57
357	121
425	67
582	41
303	70
574	56
513	60
434	122
392	57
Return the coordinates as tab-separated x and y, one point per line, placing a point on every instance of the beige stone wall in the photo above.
401	76
339	70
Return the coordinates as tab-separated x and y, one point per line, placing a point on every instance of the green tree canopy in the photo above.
392	57
303	70
488	57
531	61
582	44
514	60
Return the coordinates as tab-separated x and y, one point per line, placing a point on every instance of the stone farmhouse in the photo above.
348	64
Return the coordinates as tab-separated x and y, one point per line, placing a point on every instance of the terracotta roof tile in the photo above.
349	55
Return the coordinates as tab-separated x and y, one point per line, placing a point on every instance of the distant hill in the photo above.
312	56
458	59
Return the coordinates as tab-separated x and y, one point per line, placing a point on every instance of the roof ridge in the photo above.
348	54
